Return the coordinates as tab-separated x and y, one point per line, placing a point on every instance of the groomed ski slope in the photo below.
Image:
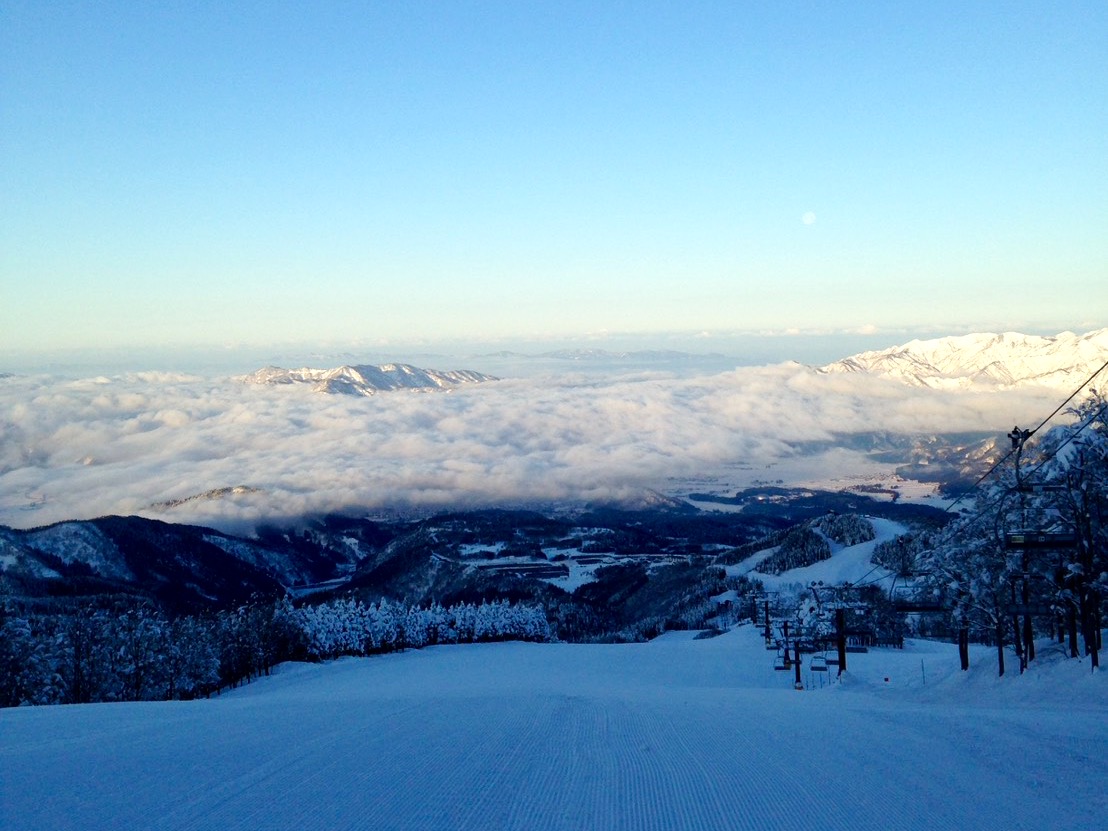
674	734
847	564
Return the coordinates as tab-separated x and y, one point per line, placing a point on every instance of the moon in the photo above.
808	218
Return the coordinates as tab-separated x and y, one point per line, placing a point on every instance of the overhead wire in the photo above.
1058	409
1073	435
857	583
1027	435
860	581
983	477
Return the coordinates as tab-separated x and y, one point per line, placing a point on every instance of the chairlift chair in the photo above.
818	663
779	663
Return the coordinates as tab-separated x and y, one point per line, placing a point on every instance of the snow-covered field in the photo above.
674	734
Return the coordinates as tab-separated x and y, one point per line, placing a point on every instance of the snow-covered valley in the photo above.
672	734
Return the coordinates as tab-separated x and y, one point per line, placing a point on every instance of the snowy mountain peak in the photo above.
997	360
368	379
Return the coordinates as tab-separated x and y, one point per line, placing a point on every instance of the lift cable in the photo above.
1027	434
1084	384
984	476
858	583
1050	456
861	581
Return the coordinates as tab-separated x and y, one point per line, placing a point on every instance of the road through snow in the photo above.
675	734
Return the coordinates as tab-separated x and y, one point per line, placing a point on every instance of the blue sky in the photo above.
213	173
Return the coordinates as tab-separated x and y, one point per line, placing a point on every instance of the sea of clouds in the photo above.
76	449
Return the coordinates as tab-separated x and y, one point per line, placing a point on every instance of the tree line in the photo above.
123	652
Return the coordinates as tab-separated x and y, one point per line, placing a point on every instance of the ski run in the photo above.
678	733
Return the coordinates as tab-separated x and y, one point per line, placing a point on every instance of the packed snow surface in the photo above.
673	734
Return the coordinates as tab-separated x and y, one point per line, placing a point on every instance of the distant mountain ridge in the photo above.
1001	361
604	355
366	379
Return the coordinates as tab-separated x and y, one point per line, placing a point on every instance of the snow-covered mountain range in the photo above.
640	355
1002	360
367	379
181	566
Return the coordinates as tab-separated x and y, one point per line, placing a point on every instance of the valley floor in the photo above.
674	734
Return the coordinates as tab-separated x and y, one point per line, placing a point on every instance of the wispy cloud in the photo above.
120	444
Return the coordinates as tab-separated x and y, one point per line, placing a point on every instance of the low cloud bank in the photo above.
80	449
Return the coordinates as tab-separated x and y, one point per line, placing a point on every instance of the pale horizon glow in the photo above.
189	176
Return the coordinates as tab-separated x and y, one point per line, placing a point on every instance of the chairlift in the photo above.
818	663
779	663
1040	540
912	600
